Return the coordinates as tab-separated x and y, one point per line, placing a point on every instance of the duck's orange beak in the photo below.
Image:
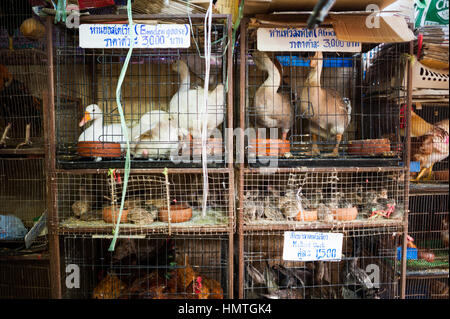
86	118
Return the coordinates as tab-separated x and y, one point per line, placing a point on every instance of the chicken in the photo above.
110	287
273	109
174	282
331	113
159	136
430	148
187	104
13	13
418	125
98	132
19	108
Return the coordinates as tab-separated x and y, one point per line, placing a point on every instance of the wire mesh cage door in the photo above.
367	270
154	202
23	80
24	279
292	198
162	97
323	107
427	287
428	229
180	267
22	208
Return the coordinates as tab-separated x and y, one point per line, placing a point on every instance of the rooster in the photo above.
331	113
430	148
19	109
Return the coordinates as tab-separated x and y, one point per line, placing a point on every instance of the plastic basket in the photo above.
428	78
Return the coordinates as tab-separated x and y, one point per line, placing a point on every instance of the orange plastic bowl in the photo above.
345	214
369	147
269	147
308	216
99	149
110	215
179	213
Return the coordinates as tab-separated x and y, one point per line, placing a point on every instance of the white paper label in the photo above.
302	39
116	36
312	246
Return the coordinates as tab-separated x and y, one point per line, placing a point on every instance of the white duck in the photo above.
98	132
187	104
158	137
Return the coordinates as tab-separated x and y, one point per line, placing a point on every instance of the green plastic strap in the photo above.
61	11
124	127
238	20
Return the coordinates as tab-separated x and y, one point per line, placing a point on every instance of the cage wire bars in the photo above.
84	191
303	174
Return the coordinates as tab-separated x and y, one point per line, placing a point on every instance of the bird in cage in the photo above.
430	148
330	112
186	105
158	136
273	109
356	282
20	110
97	131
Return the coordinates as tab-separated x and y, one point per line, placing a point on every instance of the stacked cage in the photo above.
23	246
321	151
427	267
175	218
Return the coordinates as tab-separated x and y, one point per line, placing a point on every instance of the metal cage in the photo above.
25	278
22	197
23	82
310	198
89	202
428	227
322	109
367	270
427	287
155	267
162	98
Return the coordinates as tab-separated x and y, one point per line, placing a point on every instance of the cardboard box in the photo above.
266	6
349	18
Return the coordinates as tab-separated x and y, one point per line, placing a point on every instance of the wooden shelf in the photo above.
313	226
23	151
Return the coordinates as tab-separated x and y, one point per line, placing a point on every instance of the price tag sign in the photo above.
312	246
302	39
118	36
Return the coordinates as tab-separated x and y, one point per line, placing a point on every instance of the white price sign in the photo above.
312	246
116	36
303	39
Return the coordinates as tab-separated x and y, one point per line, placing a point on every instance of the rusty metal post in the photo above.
407	159
49	145
230	156
242	105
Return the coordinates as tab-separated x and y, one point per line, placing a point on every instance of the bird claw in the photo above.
25	143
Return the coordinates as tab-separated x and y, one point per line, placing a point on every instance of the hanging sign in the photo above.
303	39
117	36
312	246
